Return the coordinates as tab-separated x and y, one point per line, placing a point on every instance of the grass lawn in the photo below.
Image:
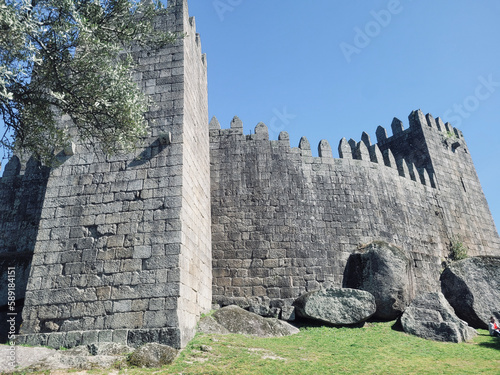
373	349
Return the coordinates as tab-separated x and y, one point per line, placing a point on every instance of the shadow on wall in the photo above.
152	150
22	191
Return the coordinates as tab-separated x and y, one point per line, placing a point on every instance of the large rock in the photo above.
386	272
25	357
472	287
431	317
339	307
209	325
153	355
234	319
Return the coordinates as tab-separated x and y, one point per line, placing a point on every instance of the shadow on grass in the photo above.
300	322
494	344
397	326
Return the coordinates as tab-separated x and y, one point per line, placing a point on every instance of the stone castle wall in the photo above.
134	248
285	222
441	149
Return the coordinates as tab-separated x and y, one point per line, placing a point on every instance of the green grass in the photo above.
373	349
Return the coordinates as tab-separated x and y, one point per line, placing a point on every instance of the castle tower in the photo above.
123	248
440	149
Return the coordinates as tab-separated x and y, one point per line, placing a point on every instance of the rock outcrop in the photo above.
234	319
153	355
472	287
385	271
95	356
105	355
431	317
340	307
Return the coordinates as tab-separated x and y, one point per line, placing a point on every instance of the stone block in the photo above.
157	304
105	336
56	340
142	252
122	278
124	320
159	319
139	337
139	304
115	241
76	232
73	339
120	336
39	339
111	266
130	265
122	306
124	253
48	312
90	337
163	262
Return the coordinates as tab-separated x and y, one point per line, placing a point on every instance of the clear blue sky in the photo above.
328	69
304	67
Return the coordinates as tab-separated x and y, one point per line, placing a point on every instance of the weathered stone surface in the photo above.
339	307
472	287
431	317
345	149
237	320
209	325
25	357
153	355
386	272
43	359
288	313
109	348
265	311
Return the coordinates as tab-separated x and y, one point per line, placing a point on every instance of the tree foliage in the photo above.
70	57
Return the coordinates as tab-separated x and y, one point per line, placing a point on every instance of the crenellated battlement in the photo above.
378	153
32	169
